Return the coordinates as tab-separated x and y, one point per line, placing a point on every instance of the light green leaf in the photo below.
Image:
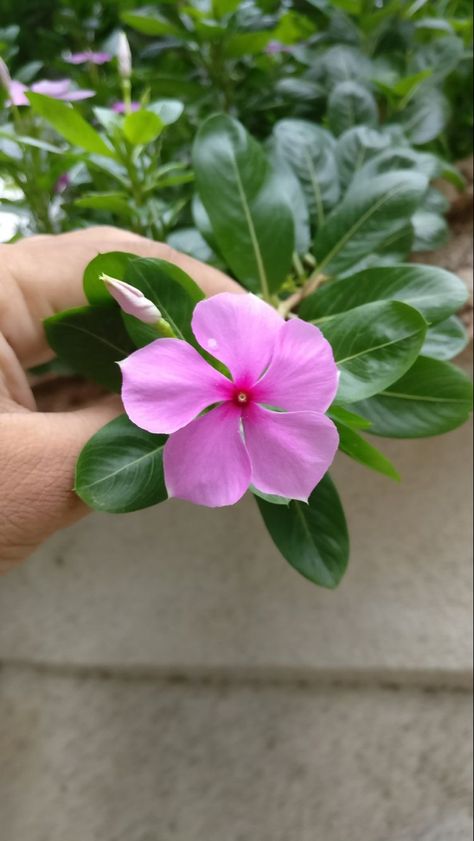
113	263
69	124
142	127
117	203
446	339
351	104
151	24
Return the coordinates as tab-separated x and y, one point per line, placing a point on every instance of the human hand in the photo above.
40	276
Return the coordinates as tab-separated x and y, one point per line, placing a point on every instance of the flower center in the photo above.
242	397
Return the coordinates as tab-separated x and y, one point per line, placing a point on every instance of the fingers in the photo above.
39	453
43	275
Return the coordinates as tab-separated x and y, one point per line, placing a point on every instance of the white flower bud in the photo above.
131	300
124	56
5	78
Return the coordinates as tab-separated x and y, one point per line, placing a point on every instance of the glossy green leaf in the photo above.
121	468
91	340
113	263
348	418
141	127
433	397
308	150
425	116
251	219
351	104
189	241
373	346
168	110
435	292
174	293
367	215
446	339
312	537
356	447
69	124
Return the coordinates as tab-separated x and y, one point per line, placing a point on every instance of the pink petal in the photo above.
240	331
17	93
302	374
166	384
206	462
75	96
51	88
289	451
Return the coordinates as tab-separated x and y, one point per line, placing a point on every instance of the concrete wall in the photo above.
167	677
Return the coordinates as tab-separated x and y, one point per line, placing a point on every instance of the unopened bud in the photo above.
124	56
131	300
5	78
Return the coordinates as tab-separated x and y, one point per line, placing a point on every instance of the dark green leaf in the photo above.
121	468
367	215
117	203
251	219
373	346
426	115
355	147
91	340
340	413
435	292
69	124
312	537
433	397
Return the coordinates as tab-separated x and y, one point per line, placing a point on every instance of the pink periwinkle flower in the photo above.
275	47
60	89
120	107
88	56
131	300
62	183
265	426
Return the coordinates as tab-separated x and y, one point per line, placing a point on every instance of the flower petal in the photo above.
240	331
166	384
17	93
289	451
206	462
302	374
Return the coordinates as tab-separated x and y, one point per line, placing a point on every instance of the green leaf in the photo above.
312	537
121	468
150	24
168	110
431	230
355	147
117	203
246	43
142	127
351	104
173	292
433	397
446	339
91	340
425	116
69	124
31	141
190	241
308	150
373	346
355	446
434	292
367	215
273	498
340	413
113	263
252	221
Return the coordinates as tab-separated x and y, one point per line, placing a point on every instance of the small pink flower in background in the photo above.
60	89
275	47
62	183
88	56
120	107
265	426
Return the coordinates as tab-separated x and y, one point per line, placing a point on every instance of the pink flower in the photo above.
60	89
120	107
265	426
87	56
131	300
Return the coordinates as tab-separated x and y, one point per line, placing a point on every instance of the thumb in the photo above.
39	453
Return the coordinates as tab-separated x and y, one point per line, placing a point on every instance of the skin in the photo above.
40	276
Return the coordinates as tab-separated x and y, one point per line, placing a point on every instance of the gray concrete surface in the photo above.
179	587
107	759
